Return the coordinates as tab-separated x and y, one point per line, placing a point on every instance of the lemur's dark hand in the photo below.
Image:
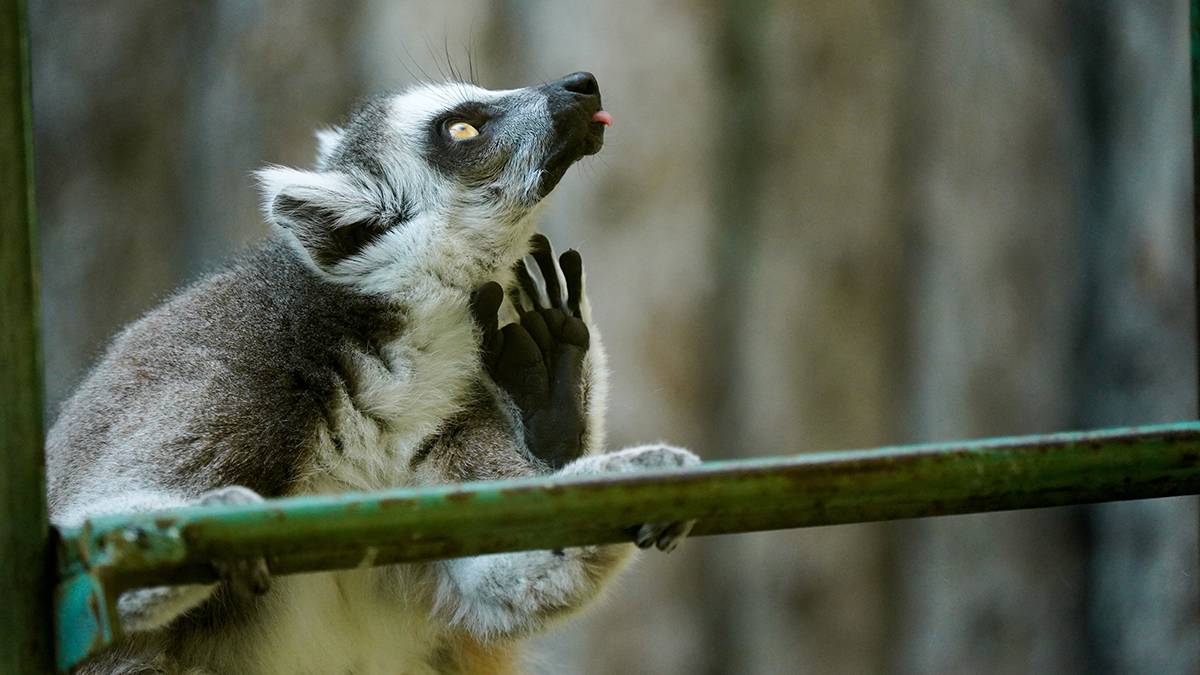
539	360
485	309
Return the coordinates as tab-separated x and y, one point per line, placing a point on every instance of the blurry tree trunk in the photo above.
994	238
1143	594
809	290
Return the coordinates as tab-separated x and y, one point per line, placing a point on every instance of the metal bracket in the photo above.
85	619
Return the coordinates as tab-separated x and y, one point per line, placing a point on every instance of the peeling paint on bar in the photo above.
346	531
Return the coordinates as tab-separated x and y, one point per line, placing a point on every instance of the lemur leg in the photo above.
539	363
652	457
150	608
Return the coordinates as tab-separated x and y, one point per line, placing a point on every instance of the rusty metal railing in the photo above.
302	534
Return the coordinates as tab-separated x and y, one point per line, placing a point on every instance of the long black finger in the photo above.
515	293
573	331
674	533
519	348
646	535
490	351
485	305
535	325
520	369
572	267
529	286
544	255
514	296
485	311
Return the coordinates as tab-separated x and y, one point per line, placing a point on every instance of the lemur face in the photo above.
442	166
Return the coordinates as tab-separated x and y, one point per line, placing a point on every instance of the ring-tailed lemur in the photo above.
359	348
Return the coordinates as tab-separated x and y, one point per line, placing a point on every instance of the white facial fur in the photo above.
461	223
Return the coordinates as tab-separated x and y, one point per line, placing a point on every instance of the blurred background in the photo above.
815	226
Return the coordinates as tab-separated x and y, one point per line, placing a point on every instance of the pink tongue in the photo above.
603	117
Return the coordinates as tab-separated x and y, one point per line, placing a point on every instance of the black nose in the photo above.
581	83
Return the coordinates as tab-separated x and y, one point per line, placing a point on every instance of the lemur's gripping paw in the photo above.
539	360
245	578
664	536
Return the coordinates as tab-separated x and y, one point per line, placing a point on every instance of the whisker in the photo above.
470	53
433	57
426	79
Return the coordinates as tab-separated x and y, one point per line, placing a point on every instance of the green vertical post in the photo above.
1195	51
1195	57
25	575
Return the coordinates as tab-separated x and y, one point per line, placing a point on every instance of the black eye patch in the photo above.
475	161
474	113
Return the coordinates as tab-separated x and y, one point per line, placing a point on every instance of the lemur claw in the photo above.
664	536
245	578
485	309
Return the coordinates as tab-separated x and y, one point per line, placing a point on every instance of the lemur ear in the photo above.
328	140
331	214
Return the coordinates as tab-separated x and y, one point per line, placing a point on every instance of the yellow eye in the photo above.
461	131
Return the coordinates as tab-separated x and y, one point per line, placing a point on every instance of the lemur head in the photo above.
438	180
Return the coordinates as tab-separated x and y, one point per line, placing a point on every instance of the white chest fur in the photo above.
368	621
396	398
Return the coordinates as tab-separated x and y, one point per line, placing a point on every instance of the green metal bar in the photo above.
25	563
337	532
